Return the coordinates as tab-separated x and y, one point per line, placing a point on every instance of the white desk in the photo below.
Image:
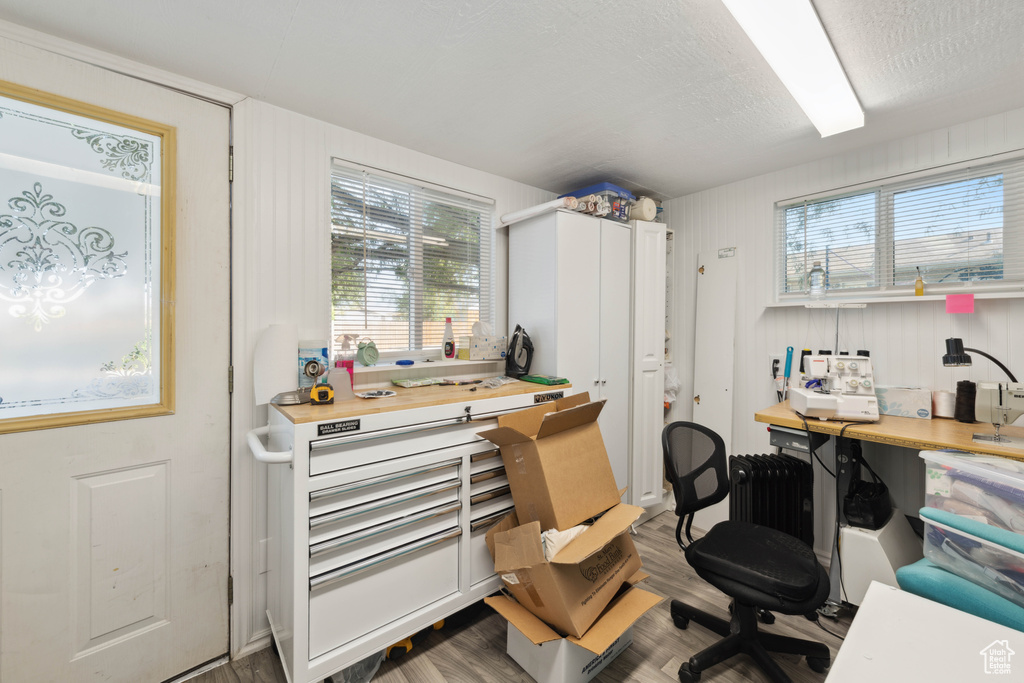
899	636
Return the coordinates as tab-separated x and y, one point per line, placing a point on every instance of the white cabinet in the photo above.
574	285
377	525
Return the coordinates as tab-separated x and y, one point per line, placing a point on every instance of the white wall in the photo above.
281	274
906	340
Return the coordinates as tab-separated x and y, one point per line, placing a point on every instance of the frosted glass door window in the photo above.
82	228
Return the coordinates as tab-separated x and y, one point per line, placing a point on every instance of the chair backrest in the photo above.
696	463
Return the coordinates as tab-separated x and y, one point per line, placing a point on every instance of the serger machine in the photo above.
836	388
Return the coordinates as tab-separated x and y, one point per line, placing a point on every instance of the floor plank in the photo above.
473	649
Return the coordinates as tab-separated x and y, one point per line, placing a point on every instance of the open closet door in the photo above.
714	356
114	535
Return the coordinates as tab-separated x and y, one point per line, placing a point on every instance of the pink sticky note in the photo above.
959	303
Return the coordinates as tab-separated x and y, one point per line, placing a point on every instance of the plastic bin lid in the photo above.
600	188
994	467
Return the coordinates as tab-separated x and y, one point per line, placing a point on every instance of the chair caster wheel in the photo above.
765	617
687	676
681	622
818	664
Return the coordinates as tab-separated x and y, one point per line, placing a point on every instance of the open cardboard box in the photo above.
549	658
570	591
556	462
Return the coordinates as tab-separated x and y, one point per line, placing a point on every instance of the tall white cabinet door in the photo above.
614	340
578	312
646	475
114	536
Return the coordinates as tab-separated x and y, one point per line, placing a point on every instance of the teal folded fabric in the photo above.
1003	537
930	581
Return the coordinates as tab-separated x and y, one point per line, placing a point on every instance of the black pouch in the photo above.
867	504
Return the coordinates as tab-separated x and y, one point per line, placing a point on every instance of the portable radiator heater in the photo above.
775	491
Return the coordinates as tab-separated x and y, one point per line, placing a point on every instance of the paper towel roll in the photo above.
644	209
273	362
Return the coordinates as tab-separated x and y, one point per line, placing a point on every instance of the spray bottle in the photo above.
449	339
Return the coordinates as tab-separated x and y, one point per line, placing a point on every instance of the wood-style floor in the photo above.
475	651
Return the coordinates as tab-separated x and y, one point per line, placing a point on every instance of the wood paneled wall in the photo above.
906	340
281	274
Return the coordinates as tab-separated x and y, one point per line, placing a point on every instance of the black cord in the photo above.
810	447
834	635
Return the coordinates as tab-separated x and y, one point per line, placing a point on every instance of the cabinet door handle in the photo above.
383	479
489	520
596	382
377	560
374	506
321	548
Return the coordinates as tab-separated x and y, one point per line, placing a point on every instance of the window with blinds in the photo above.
963	231
405	255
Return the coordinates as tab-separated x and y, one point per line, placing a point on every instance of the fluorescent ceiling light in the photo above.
792	40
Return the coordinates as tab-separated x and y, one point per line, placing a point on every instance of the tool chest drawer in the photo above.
342	452
359	598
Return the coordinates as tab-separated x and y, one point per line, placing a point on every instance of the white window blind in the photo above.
404	256
964	230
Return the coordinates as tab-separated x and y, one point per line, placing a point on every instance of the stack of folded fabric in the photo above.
974	536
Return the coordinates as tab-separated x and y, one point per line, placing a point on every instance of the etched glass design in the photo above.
80	245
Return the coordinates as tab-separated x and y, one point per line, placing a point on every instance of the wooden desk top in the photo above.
404	399
906	432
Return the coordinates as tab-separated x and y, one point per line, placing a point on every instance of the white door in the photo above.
114	536
714	356
646	468
616	247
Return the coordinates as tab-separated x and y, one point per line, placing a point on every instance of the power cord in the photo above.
839	540
810	447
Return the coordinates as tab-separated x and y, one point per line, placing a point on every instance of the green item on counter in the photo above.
544	379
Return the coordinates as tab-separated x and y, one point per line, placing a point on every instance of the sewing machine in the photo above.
999	403
842	388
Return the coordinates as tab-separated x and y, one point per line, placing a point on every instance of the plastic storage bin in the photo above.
621	200
984	555
984	488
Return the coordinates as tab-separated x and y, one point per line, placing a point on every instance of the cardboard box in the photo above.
904	401
556	462
549	658
482	348
571	590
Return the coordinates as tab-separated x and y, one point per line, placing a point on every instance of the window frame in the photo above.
487	297
1010	165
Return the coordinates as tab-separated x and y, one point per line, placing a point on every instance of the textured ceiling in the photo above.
664	98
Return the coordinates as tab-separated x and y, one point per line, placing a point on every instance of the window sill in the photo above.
854	302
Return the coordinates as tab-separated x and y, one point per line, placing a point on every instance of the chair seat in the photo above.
777	568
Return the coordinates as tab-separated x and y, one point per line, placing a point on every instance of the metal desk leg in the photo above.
847	454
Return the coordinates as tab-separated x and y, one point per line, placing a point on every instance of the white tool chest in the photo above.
377	524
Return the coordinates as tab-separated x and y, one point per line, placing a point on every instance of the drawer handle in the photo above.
383	479
363	534
377	560
489	495
489	520
488	474
385	433
486	455
376	505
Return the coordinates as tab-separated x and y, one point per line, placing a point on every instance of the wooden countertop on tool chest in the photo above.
413	397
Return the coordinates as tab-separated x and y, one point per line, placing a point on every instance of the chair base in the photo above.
741	634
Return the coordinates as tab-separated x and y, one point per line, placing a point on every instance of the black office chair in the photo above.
758	567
